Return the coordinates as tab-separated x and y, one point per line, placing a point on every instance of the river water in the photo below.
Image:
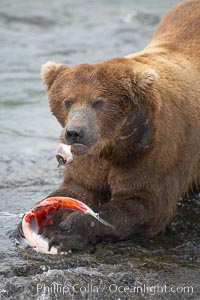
72	32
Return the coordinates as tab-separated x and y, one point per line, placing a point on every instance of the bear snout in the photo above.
74	134
81	128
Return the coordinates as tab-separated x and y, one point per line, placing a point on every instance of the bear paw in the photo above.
74	233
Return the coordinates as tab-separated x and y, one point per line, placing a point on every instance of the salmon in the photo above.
41	215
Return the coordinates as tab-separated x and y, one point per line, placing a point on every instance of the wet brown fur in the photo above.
153	97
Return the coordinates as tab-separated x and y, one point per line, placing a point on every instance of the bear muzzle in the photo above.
74	134
81	131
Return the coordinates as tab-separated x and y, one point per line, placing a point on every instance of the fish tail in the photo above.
96	216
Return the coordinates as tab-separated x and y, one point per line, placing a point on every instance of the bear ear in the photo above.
144	87
50	71
145	79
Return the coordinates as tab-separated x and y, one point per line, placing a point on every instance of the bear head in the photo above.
106	109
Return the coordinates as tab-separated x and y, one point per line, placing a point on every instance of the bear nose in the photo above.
74	134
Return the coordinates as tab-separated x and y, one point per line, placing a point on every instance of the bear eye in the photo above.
68	102
97	104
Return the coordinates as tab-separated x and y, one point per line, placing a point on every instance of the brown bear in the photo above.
134	126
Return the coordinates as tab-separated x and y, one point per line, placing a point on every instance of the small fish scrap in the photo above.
64	154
